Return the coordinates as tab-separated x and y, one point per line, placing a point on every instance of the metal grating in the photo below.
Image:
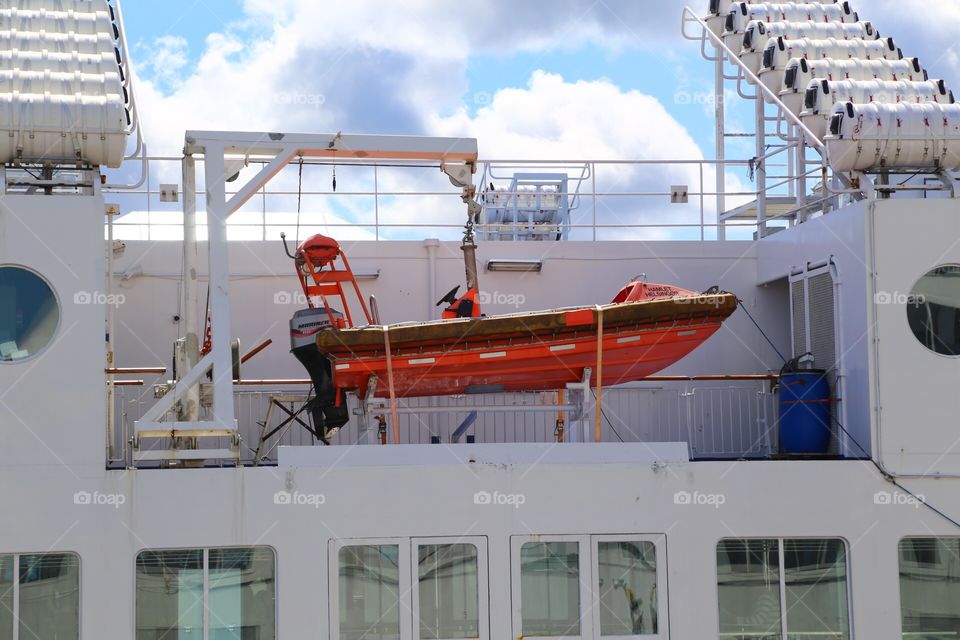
822	329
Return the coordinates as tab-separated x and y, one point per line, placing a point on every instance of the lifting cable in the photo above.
299	195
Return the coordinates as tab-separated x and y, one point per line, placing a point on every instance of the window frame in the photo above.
586	579
782	583
906	315
405	584
921	569
659	542
16	586
483	588
205	555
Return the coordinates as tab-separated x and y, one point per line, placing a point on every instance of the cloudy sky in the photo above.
557	79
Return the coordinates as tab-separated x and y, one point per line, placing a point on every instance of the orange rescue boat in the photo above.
646	328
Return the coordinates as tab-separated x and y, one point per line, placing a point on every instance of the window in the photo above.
933	310
550	589
29	314
369	592
238	603
448	591
794	589
42	592
627	588
930	587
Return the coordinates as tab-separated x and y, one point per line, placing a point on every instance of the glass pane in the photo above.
6	597
748	585
933	310
550	588
170	595
627	587
449	591
815	576
242	596
930	587
50	596
28	313
370	592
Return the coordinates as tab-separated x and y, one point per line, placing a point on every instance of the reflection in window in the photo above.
550	589
241	594
48	586
748	577
627	588
28	314
930	587
369	592
449	591
933	310
813	577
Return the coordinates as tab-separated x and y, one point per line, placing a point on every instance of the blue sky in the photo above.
530	79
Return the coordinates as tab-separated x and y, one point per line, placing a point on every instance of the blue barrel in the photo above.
805	412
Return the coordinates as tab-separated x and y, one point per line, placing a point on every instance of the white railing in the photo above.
611	200
726	421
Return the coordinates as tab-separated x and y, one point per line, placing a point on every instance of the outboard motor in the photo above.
327	410
321	278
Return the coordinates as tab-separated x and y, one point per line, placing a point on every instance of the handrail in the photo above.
135	123
812	140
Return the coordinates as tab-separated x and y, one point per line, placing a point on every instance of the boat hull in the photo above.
527	352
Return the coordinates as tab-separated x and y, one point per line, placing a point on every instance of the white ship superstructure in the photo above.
163	477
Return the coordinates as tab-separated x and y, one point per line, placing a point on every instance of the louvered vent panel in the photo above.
799	310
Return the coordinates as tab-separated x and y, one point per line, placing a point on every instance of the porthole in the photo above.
29	314
933	310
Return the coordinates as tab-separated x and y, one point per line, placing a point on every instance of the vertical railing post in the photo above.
760	166
721	133
593	180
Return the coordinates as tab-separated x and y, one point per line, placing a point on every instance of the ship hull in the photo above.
526	352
